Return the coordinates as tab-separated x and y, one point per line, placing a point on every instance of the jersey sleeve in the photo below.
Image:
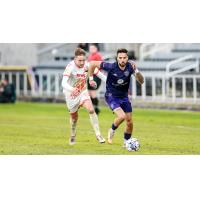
106	66
132	71
68	70
86	66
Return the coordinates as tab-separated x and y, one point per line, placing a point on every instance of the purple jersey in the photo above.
117	83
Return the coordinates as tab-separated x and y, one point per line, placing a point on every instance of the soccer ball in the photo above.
132	144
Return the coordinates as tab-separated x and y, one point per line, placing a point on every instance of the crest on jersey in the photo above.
120	81
126	73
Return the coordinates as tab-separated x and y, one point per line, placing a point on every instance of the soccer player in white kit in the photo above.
74	85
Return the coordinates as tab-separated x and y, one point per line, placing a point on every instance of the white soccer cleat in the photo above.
72	140
110	135
100	139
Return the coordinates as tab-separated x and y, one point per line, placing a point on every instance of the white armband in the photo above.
91	78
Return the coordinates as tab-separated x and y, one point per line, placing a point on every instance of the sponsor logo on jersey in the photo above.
126	73
120	81
81	75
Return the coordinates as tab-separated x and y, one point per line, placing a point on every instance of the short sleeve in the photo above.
106	66
131	69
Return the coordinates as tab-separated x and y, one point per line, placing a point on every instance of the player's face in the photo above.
122	59
80	61
92	49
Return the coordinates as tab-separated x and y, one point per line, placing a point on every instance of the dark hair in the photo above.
95	44
79	52
122	51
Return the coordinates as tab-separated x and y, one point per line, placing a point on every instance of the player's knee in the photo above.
95	101
122	117
74	116
91	111
129	124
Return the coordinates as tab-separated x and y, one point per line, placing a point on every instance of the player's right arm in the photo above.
139	77
66	86
92	66
97	65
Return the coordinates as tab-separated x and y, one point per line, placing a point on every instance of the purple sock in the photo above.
127	136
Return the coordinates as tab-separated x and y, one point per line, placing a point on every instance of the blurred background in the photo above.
171	71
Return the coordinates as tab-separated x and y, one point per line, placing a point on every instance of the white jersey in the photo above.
77	77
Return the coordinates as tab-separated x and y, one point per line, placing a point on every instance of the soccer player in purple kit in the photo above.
117	86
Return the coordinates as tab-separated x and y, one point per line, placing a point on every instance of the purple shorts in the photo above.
115	102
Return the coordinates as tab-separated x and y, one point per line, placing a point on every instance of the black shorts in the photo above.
97	80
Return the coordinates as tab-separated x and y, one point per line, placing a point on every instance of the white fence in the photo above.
35	85
178	88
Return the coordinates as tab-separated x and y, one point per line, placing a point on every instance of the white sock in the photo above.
95	123
73	127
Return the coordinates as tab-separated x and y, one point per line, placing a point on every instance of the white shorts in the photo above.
74	104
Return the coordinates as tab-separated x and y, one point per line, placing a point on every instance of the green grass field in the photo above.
40	128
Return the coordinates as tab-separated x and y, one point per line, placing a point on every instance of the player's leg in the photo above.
127	108
114	104
120	117
93	94
87	104
129	127
73	122
73	105
95	101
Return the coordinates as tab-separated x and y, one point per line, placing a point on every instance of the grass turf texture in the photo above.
40	128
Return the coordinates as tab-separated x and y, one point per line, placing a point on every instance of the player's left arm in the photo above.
100	75
92	66
138	75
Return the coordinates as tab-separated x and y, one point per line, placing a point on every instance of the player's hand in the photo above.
93	84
